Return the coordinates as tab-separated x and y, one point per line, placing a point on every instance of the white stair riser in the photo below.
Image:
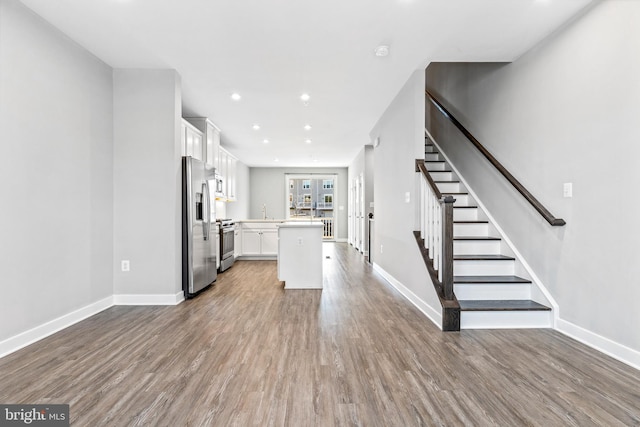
475	291
505	319
476	247
461	199
441	176
483	268
437	166
432	156
481	229
449	187
429	149
465	214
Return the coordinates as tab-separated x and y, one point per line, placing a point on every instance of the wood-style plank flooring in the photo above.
246	352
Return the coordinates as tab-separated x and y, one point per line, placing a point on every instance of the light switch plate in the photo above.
567	189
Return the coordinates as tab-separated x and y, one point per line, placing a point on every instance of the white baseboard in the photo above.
426	309
342	240
161	299
611	348
26	338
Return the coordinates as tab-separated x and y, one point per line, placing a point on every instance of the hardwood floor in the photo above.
246	352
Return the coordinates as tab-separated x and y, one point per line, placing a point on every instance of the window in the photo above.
311	196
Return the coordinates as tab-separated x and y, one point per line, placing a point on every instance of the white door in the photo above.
356	211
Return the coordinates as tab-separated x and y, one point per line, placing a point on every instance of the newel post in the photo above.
447	247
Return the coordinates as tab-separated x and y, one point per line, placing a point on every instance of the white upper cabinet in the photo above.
192	141
209	139
201	139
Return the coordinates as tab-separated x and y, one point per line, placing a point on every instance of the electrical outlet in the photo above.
407	197
380	248
124	265
300	241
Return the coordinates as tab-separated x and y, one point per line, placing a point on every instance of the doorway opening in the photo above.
312	197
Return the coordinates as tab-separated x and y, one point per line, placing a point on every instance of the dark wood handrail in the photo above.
420	167
518	186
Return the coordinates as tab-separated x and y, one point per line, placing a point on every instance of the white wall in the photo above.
401	133
565	112
147	182
56	176
267	186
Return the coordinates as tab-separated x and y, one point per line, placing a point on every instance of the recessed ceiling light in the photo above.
308	141
276	160
307	127
236	96
265	141
305	97
255	126
382	50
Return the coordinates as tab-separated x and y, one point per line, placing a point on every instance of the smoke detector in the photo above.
382	50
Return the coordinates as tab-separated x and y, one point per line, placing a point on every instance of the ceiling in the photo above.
272	51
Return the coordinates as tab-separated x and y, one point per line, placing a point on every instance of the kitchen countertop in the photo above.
315	220
301	224
260	220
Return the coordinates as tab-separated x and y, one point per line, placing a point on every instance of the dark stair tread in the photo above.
434	161
447	182
489	279
452	194
483	258
479	221
464	207
443	171
501	305
475	238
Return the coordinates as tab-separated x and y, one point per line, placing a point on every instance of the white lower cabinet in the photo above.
259	239
237	241
251	242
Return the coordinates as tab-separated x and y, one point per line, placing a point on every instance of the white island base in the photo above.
300	255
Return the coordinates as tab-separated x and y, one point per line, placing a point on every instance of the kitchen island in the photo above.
300	254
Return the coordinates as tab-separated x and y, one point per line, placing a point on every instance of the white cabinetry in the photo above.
259	239
210	139
191	141
237	241
300	255
227	170
231	177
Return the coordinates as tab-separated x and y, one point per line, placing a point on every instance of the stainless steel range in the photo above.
227	235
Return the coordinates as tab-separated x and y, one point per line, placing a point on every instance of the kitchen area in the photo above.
247	217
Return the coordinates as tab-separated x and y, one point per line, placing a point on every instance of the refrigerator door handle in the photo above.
206	212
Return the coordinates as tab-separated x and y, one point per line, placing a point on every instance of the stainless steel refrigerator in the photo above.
198	226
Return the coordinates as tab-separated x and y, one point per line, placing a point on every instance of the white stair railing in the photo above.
436	228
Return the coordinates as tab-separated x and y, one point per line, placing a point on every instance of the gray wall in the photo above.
147	179
401	133
56	177
267	186
565	112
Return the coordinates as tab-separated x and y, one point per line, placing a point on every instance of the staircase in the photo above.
489	282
